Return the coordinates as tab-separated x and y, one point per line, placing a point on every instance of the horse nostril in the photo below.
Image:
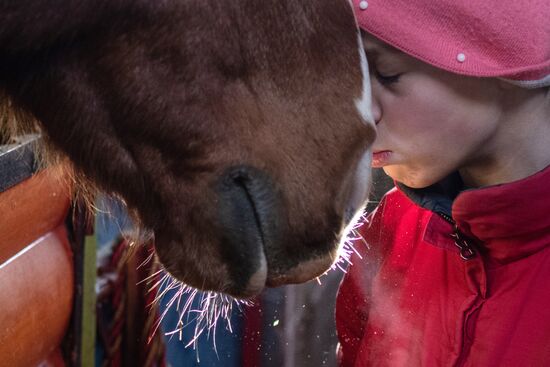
246	218
239	194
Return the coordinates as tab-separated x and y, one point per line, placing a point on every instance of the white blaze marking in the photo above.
361	184
363	104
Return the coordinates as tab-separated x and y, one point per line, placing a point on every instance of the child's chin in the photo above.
414	179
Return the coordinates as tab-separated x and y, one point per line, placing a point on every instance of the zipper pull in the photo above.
467	251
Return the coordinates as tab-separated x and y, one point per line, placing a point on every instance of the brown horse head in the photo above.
236	129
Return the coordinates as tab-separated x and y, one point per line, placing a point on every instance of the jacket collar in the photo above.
511	221
439	197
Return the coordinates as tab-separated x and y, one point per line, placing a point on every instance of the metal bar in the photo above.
17	161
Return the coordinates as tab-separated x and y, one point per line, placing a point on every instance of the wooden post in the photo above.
81	338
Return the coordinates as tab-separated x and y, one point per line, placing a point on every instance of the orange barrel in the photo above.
36	270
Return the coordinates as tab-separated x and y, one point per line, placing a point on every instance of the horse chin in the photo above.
303	272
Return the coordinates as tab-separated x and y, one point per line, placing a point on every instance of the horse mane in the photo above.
16	122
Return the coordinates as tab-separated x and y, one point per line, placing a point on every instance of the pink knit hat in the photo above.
509	39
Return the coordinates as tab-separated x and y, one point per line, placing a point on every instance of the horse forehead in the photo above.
291	20
319	33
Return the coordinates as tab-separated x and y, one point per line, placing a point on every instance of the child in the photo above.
457	271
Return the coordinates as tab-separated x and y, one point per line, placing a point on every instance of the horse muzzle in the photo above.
257	246
249	216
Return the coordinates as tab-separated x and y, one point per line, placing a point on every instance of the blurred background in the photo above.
105	302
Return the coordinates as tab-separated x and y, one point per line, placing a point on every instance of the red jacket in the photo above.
413	300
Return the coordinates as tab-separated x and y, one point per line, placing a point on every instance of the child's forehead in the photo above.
376	48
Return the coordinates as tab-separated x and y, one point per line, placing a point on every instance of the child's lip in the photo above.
380	158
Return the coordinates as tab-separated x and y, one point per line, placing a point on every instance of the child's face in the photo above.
429	122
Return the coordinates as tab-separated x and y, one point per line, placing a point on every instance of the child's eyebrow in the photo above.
372	51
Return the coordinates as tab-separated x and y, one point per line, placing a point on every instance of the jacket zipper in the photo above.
470	321
467	252
466	249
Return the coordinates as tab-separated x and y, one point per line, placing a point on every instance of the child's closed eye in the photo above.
386	79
